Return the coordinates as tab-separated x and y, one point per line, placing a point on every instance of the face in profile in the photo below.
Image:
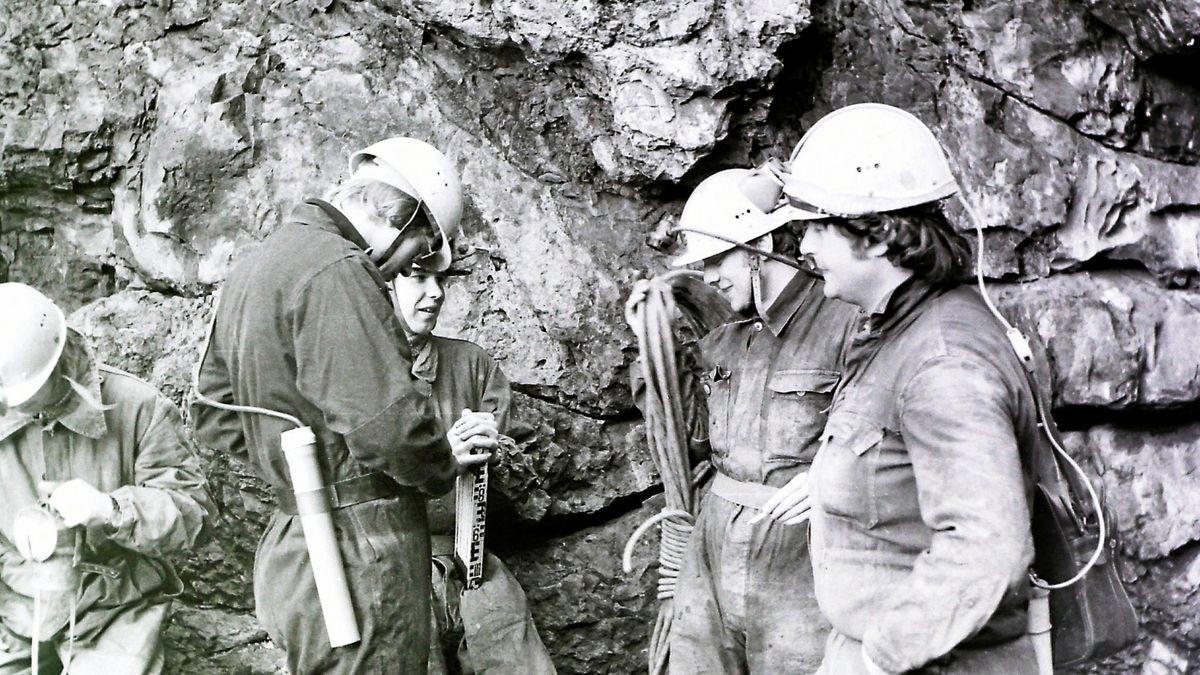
729	273
419	298
836	257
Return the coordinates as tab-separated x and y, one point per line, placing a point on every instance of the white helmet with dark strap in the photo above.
867	158
418	169
32	337
728	209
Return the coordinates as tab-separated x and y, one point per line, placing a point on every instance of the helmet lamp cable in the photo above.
1020	345
232	407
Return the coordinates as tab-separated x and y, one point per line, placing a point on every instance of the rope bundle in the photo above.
650	312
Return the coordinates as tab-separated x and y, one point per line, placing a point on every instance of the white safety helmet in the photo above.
735	206
867	158
32	336
418	169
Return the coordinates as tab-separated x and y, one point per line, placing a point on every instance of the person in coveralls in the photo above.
305	326
486	630
921	527
101	483
744	598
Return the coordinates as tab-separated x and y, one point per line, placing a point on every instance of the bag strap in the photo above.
1048	466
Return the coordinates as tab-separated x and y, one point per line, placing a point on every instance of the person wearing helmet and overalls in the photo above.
101	482
487	629
744	598
921	523
305	326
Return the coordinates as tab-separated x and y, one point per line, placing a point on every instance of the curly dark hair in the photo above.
786	242
918	238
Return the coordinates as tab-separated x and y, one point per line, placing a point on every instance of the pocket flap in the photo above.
852	431
799	381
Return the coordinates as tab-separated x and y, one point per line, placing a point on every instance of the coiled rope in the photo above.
650	312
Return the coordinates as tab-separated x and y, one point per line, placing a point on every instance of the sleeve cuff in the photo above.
120	522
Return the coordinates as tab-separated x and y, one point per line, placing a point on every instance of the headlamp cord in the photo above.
212	324
1020	345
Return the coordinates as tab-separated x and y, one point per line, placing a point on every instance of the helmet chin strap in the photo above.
756	291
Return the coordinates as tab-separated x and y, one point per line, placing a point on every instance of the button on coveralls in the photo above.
305	326
139	452
920	527
498	634
744	600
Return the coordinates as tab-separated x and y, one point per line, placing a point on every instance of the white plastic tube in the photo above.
1039	629
300	451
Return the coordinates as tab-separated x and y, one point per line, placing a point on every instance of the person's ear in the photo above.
877	250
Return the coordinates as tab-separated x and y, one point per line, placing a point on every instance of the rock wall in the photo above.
147	144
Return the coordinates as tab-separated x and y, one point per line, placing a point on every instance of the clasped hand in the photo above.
472	438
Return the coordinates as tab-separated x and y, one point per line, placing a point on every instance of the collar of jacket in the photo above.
75	412
900	309
324	215
788	304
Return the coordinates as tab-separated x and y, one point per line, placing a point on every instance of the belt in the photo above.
365	488
753	495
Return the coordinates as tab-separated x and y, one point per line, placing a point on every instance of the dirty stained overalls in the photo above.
487	630
920	528
137	450
306	326
744	600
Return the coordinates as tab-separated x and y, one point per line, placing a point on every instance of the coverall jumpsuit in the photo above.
490	629
306	326
744	601
137	450
920	531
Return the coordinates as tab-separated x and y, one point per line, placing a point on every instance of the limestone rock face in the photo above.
147	147
1151	27
1150	480
1114	340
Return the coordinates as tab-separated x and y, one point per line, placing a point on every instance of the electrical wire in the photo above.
232	407
1020	345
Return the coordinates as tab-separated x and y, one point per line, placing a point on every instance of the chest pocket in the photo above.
716	384
848	468
799	399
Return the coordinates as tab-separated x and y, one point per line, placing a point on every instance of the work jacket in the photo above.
920	533
306	327
769	380
136	449
458	375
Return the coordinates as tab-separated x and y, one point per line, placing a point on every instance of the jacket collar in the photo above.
324	215
901	309
75	412
788	304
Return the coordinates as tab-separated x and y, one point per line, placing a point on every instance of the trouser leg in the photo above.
132	643
500	635
785	630
385	552
703	638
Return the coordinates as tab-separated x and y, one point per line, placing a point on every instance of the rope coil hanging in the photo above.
651	316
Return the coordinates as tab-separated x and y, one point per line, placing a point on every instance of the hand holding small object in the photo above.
77	502
471	437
